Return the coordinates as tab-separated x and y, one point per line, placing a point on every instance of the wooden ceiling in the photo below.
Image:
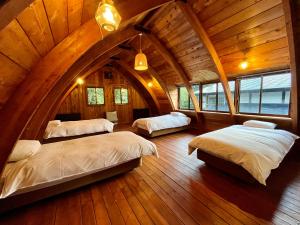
250	29
50	43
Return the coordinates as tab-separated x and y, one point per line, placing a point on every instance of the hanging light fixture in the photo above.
107	16
140	62
244	64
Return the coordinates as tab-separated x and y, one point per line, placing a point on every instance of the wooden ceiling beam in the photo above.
194	21
137	77
10	9
62	64
291	17
154	75
171	60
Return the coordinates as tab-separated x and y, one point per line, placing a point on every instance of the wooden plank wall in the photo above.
76	101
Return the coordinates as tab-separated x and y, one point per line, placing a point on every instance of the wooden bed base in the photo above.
160	132
15	201
57	139
226	166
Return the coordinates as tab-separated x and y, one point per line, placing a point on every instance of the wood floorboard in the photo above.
175	188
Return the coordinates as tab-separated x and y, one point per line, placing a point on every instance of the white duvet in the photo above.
66	160
257	150
73	128
161	122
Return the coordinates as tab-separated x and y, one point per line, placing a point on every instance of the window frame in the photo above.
236	99
120	87
87	95
238	80
217	95
189	97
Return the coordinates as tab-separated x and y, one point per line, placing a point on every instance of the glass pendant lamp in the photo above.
107	16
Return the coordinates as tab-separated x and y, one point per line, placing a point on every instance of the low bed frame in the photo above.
234	169
226	166
14	201
160	132
57	139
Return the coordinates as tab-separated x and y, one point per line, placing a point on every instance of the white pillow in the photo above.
24	149
259	124
54	123
178	114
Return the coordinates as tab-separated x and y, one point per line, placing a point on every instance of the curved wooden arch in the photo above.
136	76
53	68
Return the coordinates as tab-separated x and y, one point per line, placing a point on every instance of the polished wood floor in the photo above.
173	189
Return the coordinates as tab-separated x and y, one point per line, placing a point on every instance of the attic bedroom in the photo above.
149	112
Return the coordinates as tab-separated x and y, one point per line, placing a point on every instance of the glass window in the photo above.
183	98
95	96
222	102
249	95
121	96
209	97
196	89
276	94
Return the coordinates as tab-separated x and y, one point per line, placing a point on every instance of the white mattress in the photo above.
66	160
161	122
257	150
74	128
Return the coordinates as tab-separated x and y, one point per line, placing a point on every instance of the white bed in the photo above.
257	150
56	128
59	162
172	120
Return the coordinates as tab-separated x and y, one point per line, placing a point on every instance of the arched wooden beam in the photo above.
167	55
137	77
151	71
204	38
139	84
290	12
39	120
10	9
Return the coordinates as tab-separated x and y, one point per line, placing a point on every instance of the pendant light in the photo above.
140	62
107	16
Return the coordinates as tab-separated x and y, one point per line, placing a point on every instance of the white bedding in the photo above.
161	122
257	150
73	128
66	160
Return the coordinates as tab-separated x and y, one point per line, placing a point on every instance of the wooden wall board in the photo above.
57	12
15	44
35	23
75	8
77	99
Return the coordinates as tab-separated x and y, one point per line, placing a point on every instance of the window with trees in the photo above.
267	94
95	95
121	96
185	102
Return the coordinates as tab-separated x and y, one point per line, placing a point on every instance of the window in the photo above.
213	96
269	94
95	95
222	101
121	96
209	97
185	102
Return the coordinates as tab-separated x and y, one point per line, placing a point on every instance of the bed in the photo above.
249	153
57	130
63	166
160	125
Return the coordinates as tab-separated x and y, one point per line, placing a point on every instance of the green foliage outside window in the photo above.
121	95
95	96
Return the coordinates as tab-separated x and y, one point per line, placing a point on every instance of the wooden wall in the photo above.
76	101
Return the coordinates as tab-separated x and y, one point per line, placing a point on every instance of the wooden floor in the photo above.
174	189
